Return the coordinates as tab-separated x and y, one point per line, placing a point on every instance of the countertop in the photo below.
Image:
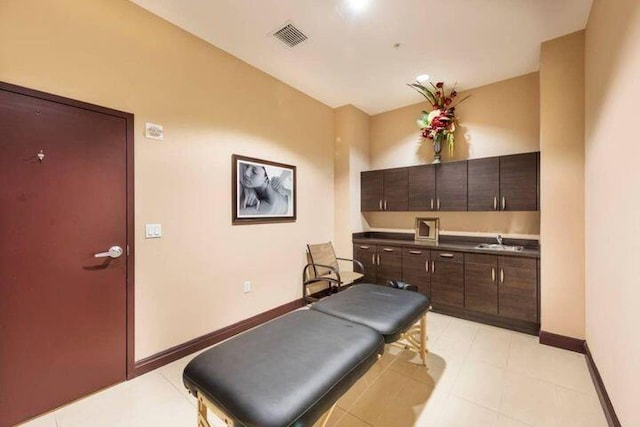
458	245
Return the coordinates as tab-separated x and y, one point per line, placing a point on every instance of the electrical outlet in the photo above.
246	288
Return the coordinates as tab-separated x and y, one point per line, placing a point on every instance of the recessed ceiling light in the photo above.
422	78
358	5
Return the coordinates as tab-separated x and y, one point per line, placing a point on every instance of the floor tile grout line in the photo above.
176	388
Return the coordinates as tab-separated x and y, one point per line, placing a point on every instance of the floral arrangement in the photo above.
439	124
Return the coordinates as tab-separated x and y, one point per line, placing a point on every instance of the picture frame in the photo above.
427	229
263	191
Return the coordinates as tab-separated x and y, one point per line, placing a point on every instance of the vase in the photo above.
437	149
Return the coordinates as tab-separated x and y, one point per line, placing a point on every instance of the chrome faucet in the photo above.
499	239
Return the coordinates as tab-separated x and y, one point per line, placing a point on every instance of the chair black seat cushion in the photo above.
387	310
286	372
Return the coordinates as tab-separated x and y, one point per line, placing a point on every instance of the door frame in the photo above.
130	232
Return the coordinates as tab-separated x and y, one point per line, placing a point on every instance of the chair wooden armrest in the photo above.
354	261
306	281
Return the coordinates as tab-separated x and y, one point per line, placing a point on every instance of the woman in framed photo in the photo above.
262	193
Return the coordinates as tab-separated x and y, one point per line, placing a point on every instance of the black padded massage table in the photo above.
391	312
292	370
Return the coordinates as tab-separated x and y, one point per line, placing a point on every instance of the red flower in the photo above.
438	94
439	85
447	101
454	93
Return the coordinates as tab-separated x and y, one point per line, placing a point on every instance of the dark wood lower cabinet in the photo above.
481	283
518	288
501	290
381	263
447	279
389	264
416	269
366	254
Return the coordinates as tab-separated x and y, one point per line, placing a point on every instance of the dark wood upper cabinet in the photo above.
371	190
481	283
484	184
384	190
416	269
451	186
519	182
422	188
506	183
518	288
396	190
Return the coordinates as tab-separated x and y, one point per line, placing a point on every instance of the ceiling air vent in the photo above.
290	35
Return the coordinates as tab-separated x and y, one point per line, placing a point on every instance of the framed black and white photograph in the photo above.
263	191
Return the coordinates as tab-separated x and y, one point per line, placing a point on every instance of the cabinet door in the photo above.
366	254
451	186
415	269
518	288
422	188
389	264
371	190
396	189
519	182
484	184
447	279
480	283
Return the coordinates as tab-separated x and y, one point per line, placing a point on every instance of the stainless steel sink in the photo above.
497	247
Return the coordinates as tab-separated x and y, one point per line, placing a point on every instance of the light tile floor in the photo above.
478	376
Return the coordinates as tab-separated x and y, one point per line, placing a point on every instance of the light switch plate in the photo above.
153	231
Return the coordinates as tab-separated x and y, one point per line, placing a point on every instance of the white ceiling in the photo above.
350	57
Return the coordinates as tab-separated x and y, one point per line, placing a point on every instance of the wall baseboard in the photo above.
561	341
174	353
607	406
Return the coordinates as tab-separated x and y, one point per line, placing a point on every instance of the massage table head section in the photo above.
287	372
387	310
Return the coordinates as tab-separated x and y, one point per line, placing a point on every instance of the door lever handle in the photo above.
113	252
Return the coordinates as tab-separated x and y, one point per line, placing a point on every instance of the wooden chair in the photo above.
322	274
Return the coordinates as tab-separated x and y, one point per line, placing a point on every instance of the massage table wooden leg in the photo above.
205	404
419	345
423	339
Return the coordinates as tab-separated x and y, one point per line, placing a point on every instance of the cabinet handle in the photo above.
446	255
373	259
438	203
387	249
380	204
415	252
495	203
432	203
385	205
501	275
433	266
504	203
378	259
426	265
493	274
364	247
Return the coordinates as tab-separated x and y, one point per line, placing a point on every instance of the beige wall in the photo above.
562	183
498	119
352	156
613	200
115	54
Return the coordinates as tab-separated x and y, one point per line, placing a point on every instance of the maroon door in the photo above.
63	312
